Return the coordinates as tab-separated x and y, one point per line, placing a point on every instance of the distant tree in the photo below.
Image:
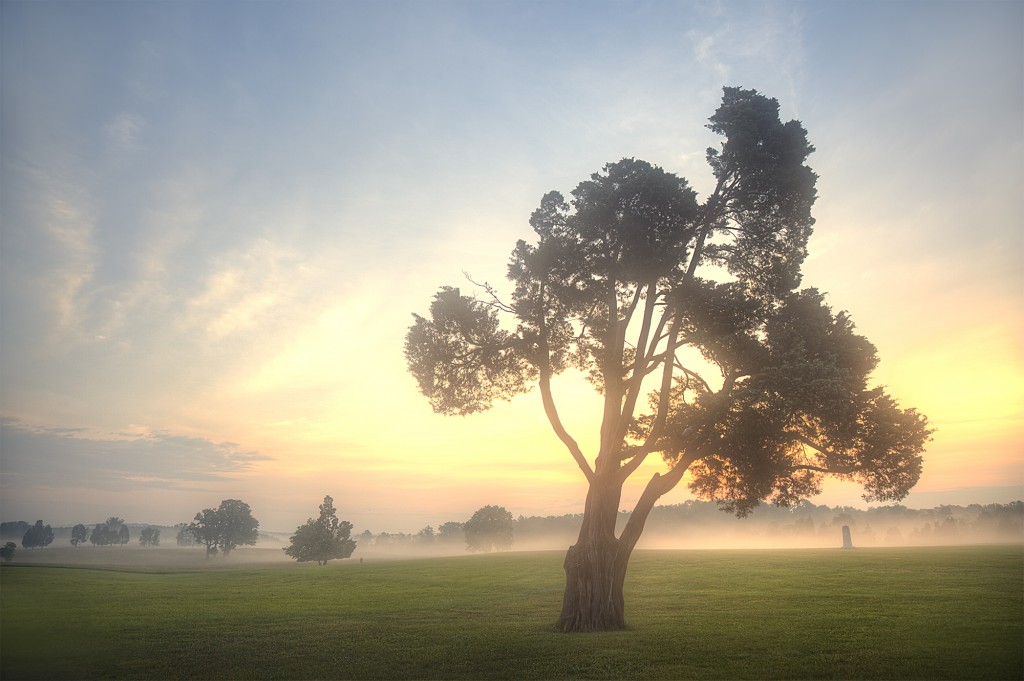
123	535
688	318
323	539
79	533
38	535
490	529
366	537
184	536
98	535
150	536
425	537
108	532
225	528
7	551
450	533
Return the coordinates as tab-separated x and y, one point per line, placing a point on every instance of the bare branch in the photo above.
495	301
692	374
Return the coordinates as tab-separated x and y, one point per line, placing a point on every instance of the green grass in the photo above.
921	613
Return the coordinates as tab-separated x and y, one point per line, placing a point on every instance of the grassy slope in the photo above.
869	613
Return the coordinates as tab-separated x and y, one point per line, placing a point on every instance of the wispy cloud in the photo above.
84	460
124	132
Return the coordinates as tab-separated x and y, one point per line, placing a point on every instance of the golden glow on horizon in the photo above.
357	416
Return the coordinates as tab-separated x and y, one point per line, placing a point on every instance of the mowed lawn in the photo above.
914	613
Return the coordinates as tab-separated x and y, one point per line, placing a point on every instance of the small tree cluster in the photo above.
113	531
323	539
7	551
226	527
38	535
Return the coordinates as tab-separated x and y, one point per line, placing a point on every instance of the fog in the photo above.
691	525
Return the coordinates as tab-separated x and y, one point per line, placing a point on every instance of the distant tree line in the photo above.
692	522
492	528
221	530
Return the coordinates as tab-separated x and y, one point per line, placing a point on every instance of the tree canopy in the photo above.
37	536
323	539
79	533
150	536
226	527
109	532
688	317
489	529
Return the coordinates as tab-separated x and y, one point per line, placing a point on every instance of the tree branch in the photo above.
550	410
556	424
657	487
611	369
637	377
666	386
819	469
496	302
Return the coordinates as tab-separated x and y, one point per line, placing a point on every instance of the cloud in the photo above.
42	457
764	45
124	132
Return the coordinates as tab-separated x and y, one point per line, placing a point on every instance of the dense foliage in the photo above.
79	533
37	536
226	527
489	529
112	531
323	539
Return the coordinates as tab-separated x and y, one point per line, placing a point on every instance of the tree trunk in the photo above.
595	567
593	601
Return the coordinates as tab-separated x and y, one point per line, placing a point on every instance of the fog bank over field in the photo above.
701	525
691	525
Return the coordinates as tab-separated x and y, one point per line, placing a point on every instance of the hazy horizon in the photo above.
218	219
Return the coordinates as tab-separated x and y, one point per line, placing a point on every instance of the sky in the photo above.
217	218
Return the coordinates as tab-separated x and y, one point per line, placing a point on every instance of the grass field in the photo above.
921	613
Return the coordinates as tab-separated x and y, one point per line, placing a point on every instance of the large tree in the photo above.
226	527
688	317
323	539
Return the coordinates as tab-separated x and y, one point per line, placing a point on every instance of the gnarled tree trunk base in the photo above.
594	577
